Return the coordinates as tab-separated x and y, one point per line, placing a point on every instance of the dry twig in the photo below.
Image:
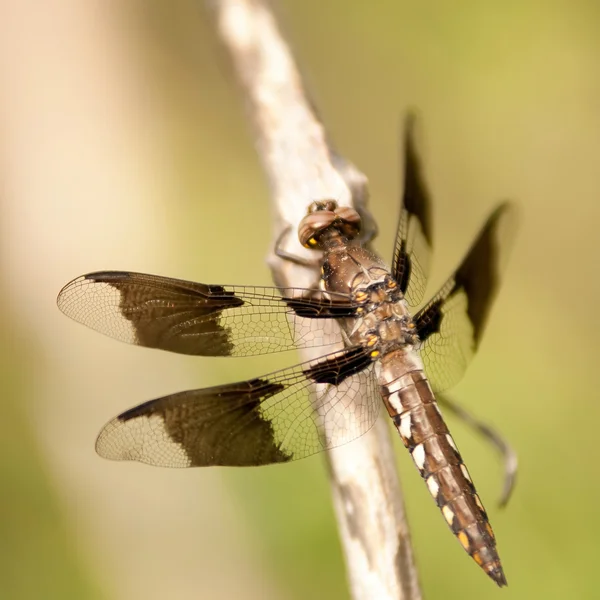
301	167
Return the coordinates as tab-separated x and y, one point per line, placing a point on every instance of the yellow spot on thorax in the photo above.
372	340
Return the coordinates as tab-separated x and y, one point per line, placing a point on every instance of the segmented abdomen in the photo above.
412	406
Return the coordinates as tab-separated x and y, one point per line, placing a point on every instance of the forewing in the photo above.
414	238
271	419
199	319
450	326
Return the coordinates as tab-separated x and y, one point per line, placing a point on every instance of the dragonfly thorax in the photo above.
386	324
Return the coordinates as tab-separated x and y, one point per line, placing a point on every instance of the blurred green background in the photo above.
124	145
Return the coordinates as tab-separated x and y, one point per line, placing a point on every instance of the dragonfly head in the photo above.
324	221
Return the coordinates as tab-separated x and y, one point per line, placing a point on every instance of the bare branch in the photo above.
301	167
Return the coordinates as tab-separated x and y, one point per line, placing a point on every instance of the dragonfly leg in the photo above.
508	454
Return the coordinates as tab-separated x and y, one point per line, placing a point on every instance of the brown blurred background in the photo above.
123	145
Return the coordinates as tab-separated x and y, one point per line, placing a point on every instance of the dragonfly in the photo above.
390	357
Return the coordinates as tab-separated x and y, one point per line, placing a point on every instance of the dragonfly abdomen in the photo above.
412	406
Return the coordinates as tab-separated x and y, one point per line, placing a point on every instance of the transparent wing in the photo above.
450	326
199	319
271	419
414	238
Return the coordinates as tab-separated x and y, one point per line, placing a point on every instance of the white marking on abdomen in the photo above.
395	386
433	485
418	455
451	442
478	502
405	426
395	402
465	473
448	514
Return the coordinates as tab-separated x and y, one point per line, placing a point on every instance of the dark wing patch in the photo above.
335	370
271	419
450	326
414	238
199	319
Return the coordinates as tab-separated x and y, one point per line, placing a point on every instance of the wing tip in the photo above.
134	436
95	277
